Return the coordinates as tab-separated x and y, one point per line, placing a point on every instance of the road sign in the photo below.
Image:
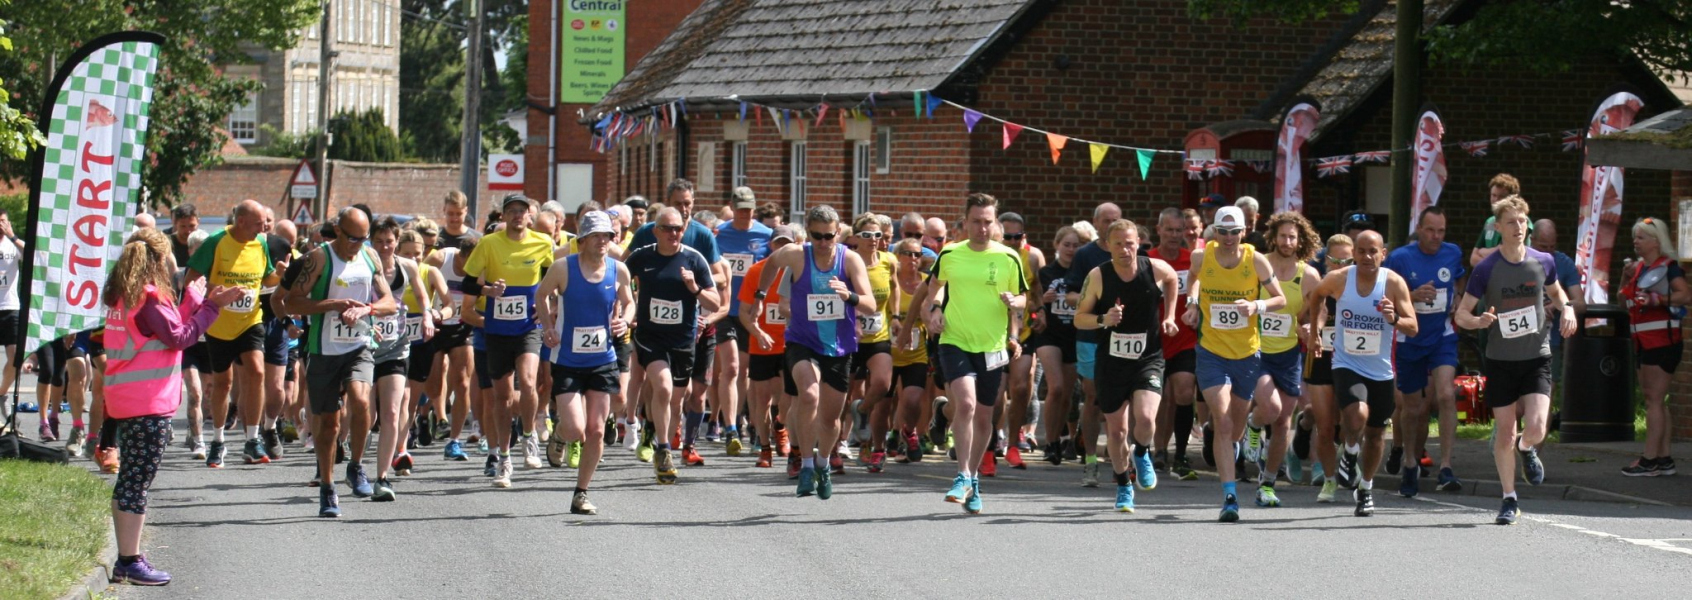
505	172
303	186
303	215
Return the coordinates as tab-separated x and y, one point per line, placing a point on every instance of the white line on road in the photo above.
1655	544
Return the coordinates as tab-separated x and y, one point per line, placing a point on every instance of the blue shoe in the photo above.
358	481
807	482
455	451
973	505
1125	498
328	505
28	407
961	489
488	468
1144	473
1448	481
825	484
1230	509
139	572
1411	482
1317	475
1294	468
1532	468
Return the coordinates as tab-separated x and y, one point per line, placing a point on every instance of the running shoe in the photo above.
1013	457
28	407
631	436
1448	481
573	455
482	446
422	432
1318	475
45	434
913	448
1090	475
108	460
1326	496
766	457
272	444
1411	483
610	433
287	431
825	484
328	504
1347	475
491	466
793	465
341	452
733	447
973	504
1292	469
403	464
78	438
358	481
502	473
1365	503
531	452
1144	473
644	453
836	463
214	456
961	489
664	465
691	457
1054	453
1230	509
139	572
807	482
1665	465
384	491
711	431
198	448
1395	460
1641	467
1532	469
53	422
1508	513
1125	498
1183	470
455	451
781	443
989	465
1266	497
1254	444
1072	450
555	450
579	505
1427	461
876	461
253	453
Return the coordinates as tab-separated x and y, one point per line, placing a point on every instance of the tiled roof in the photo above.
1360	66
770	49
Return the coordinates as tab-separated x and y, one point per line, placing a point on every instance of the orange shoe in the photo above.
108	459
781	442
692	457
989	465
1013	457
675	440
765	458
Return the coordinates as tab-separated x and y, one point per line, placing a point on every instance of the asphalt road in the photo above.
731	530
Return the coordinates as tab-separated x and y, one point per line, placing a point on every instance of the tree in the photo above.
363	137
432	74
18	133
191	98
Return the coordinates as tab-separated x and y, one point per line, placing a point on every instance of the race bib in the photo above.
1062	308
1181	282
772	314
825	307
1362	342
457	305
997	359
1127	345
342	334
1327	337
389	328
414	329
245	304
1277	325
665	312
1519	322
738	264
872	324
1227	316
510	308
588	340
1441	299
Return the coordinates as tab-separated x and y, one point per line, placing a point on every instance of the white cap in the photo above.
1229	217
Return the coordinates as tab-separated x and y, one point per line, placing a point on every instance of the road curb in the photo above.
100	576
1578	493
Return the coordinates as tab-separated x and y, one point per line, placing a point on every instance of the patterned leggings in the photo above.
143	446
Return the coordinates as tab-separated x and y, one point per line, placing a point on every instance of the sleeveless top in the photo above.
584	330
1363	338
877	327
1279	329
820	318
1224	330
343	280
391	340
448	255
1138	335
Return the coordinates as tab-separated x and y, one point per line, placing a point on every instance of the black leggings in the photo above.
144	440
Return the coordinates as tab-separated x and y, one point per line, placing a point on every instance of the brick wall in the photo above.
386	188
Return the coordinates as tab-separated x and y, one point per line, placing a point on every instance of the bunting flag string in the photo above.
1195	170
1097	153
1525	141
1377	156
1219	168
1328	167
1571	140
1011	131
1261	166
1145	157
1477	148
970	119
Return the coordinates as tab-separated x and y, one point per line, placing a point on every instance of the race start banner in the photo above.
1289	156
1601	200
1428	180
95	120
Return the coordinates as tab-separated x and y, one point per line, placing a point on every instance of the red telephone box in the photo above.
1234	158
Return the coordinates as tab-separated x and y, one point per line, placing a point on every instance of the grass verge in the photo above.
52	527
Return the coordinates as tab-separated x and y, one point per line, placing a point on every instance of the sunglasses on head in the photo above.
870	235
824	236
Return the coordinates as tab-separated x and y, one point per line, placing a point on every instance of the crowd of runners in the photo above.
656	333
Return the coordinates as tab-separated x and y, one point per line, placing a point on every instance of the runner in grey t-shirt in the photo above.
1515	292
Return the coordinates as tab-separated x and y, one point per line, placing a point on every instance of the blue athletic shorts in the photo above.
1085	354
1241	373
1286	370
1414	363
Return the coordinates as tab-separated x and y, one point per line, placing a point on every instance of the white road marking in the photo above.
1664	545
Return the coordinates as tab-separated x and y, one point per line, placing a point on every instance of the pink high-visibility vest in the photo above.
143	375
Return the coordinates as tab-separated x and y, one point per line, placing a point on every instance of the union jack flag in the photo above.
1333	165
1525	141
1571	140
1219	168
1475	149
1195	169
1378	156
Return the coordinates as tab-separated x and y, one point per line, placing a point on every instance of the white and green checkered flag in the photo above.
90	180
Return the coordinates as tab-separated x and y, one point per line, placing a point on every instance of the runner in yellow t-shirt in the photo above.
237	257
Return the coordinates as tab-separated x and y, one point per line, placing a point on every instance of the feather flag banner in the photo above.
1601	200
1296	128
1427	180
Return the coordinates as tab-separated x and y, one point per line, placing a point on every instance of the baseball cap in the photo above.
594	222
1230	217
743	198
784	232
1214	201
516	198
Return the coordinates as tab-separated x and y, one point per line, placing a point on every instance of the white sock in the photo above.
1353	448
1510	496
252	432
217	434
1368	484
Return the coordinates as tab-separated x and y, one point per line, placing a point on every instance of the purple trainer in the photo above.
139	573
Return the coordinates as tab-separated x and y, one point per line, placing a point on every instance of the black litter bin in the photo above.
1598	378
